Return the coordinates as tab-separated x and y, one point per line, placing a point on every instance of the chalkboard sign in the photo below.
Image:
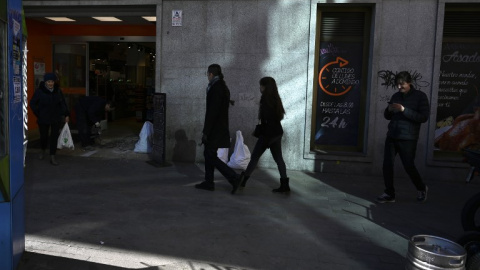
159	127
338	94
458	96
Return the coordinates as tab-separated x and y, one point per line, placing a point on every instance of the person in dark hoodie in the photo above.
49	106
90	110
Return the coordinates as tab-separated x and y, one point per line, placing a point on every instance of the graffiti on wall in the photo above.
388	80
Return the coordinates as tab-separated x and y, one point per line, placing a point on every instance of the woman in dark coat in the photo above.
49	106
270	114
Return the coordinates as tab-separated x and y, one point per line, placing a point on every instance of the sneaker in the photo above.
422	195
385	198
206	186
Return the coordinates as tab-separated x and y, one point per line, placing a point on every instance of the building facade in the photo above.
334	62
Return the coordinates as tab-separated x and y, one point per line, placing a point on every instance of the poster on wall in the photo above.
38	68
338	94
16	47
176	18
38	72
458	109
17	89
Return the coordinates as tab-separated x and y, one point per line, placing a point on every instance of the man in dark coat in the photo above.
216	132
90	110
407	110
49	106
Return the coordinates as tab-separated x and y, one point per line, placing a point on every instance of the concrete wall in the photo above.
252	39
255	38
249	39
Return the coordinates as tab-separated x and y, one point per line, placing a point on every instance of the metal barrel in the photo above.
434	253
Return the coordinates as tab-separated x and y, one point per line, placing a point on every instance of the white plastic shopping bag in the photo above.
222	154
65	138
241	155
145	143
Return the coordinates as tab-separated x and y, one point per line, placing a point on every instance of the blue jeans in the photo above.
212	161
406	149
261	146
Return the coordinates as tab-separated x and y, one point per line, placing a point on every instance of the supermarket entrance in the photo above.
121	72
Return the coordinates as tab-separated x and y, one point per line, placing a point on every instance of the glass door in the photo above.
123	72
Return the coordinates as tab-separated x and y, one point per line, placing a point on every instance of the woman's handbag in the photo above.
258	130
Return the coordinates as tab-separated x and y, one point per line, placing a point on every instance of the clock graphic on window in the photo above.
327	78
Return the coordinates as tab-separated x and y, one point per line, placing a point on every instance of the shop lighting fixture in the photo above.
107	19
60	19
150	18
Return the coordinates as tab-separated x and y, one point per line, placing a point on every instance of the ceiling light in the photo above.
107	19
60	19
150	18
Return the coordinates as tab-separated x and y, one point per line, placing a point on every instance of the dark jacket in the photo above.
216	127
49	107
406	125
90	109
271	126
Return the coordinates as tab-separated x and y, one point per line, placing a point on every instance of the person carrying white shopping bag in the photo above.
241	155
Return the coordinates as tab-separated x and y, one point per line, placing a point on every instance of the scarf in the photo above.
212	82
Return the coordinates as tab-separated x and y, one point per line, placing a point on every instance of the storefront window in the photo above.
69	64
338	121
458	106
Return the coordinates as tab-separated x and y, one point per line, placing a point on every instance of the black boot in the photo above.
206	185
284	187
235	183
243	179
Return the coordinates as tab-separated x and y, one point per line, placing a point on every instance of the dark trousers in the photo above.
276	150
49	139
212	161
84	131
406	149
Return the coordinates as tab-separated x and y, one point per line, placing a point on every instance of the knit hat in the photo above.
49	77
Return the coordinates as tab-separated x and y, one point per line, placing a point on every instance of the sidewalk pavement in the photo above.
112	212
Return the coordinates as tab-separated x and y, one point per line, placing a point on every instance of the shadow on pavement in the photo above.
439	216
31	260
